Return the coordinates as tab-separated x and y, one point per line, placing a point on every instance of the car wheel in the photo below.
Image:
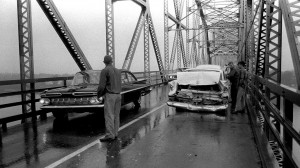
179	109
137	103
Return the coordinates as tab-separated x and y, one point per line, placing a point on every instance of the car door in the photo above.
134	93
128	92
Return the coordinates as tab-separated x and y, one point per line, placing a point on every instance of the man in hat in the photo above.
109	88
240	100
233	77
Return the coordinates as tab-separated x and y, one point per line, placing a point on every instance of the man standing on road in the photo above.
109	88
233	77
240	100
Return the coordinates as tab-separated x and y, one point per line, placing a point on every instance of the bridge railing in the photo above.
153	77
276	119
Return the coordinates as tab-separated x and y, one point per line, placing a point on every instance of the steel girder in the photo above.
179	43
26	54
155	44
221	20
291	16
134	41
199	5
64	33
178	32
110	35
173	53
247	28
188	34
261	43
146	49
180	49
166	35
176	21
195	47
273	50
274	40
257	4
145	21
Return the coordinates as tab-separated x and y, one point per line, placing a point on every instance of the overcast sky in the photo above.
86	20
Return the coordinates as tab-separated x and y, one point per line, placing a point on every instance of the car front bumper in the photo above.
73	108
191	107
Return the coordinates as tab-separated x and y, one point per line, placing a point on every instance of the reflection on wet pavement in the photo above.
42	143
167	138
159	136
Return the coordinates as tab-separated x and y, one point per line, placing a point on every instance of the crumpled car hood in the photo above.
198	78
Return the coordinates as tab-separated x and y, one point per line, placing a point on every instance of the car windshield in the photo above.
86	77
198	77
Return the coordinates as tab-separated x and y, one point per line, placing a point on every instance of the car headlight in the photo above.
45	101
95	100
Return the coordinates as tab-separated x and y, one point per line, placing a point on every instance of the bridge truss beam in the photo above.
203	20
145	21
64	33
178	42
291	18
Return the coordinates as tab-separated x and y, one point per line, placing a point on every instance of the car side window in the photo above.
130	78
124	78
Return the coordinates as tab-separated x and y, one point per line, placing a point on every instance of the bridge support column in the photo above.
26	56
110	39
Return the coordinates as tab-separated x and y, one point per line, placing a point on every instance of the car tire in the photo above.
179	109
137	103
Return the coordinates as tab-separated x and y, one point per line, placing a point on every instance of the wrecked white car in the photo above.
203	88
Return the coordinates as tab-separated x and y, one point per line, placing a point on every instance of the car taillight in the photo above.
173	88
172	85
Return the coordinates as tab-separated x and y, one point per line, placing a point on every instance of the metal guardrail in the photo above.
259	101
153	77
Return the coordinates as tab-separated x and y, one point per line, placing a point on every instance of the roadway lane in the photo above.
170	139
156	136
28	145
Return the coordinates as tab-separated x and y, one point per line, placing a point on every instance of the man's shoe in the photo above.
107	139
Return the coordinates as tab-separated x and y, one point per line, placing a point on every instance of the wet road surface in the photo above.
154	136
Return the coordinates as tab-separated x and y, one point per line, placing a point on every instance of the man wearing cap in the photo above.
240	99
233	77
109	88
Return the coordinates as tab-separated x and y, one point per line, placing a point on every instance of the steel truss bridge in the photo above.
195	32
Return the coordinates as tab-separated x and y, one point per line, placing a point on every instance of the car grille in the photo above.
199	100
70	101
210	102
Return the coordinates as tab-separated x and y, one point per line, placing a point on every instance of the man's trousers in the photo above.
112	106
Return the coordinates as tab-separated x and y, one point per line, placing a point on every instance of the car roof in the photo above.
206	67
91	70
209	66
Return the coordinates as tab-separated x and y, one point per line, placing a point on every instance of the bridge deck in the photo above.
157	136
179	140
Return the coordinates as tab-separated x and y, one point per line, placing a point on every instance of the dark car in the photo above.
81	95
